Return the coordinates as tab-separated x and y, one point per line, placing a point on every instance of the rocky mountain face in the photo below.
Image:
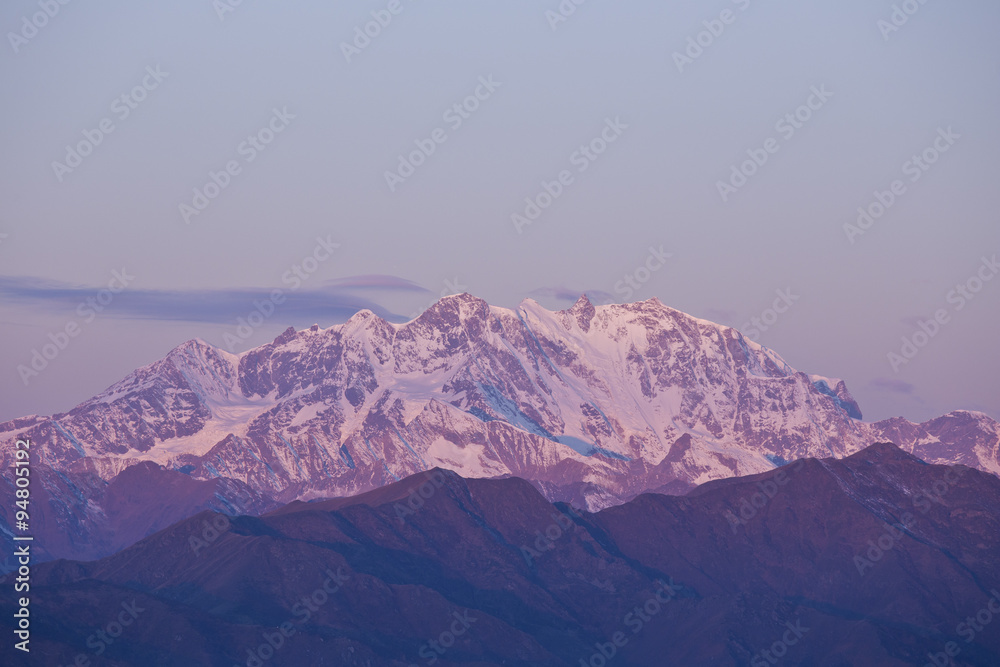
877	558
593	405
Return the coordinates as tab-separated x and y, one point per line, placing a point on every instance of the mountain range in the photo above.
873	559
593	405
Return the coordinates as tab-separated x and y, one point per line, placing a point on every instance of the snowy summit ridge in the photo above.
594	404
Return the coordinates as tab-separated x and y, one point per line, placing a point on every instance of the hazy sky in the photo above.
615	120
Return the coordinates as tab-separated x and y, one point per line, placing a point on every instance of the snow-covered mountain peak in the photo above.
594	403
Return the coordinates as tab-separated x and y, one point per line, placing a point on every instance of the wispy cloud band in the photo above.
328	302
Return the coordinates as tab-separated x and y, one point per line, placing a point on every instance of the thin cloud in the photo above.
219	306
890	385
